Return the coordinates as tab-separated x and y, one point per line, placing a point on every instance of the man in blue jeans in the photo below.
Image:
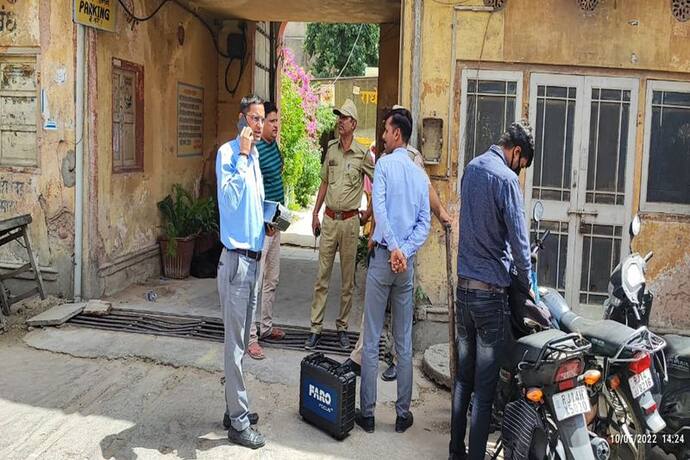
493	235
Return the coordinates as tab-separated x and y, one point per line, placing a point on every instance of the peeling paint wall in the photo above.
635	38
669	268
127	216
43	29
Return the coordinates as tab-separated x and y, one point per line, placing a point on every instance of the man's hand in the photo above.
315	224
444	217
246	140
271	230
398	261
363	218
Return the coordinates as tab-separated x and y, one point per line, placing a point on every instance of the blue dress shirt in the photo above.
401	203
240	197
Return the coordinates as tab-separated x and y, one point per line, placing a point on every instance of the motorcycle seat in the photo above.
529	347
606	336
677	345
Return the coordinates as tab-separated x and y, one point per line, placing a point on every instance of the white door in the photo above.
584	144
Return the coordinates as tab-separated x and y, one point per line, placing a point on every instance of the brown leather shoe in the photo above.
255	351
275	333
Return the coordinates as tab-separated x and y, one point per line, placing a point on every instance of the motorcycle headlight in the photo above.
632	279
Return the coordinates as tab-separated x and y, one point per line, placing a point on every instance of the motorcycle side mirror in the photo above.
635	226
538	211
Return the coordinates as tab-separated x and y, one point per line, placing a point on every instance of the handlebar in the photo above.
539	243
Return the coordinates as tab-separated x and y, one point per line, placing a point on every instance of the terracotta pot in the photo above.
177	266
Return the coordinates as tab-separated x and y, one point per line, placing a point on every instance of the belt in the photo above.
341	215
255	255
475	285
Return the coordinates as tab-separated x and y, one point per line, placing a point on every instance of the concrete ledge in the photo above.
56	315
435	364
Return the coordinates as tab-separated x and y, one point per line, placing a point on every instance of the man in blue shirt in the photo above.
493	235
403	219
242	231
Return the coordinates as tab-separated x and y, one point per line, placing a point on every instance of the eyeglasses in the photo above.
256	119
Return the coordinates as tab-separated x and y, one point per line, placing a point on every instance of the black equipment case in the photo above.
327	395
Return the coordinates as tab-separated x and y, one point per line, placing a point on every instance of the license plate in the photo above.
639	383
570	403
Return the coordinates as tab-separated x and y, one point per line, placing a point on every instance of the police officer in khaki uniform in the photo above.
342	184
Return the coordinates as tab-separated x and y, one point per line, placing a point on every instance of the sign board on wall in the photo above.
99	14
190	120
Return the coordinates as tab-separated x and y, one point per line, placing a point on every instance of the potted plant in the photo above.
208	220
182	215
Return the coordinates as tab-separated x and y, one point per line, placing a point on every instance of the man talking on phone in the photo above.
242	231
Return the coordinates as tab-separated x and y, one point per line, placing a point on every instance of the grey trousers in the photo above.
382	283
238	284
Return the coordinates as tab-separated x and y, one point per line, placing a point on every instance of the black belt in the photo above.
255	255
475	285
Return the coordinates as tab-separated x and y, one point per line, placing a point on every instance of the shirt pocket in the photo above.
332	174
353	174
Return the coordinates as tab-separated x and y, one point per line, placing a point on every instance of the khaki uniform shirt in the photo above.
344	172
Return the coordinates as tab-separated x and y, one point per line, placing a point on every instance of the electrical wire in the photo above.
213	38
354	45
146	18
188	10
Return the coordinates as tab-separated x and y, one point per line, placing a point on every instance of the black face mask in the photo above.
518	168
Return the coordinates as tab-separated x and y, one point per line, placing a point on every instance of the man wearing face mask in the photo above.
493	236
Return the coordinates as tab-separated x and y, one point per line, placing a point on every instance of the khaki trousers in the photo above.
341	236
269	274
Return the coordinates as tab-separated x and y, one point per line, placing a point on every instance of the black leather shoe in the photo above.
366	423
402	424
390	374
353	366
252	416
247	438
312	341
343	340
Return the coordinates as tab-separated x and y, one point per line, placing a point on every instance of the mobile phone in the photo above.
241	124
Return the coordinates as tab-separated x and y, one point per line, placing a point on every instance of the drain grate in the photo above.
207	329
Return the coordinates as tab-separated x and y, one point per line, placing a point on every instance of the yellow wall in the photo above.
635	38
127	217
44	28
229	104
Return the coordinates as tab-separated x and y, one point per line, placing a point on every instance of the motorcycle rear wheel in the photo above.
629	448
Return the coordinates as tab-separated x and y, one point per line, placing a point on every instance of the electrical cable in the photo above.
354	45
124	7
188	10
213	38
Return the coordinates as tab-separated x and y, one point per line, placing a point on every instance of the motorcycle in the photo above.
623	408
542	396
629	302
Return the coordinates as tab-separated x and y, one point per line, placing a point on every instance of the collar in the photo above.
499	151
252	153
400	150
352	148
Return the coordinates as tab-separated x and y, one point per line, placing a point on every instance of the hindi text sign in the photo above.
190	120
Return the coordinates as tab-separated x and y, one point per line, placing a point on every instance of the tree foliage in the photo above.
328	47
